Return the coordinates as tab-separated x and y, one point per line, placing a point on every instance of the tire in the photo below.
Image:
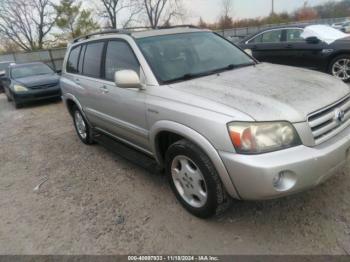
17	104
340	67
82	127
201	193
8	98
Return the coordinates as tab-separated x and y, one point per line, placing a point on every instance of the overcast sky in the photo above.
209	10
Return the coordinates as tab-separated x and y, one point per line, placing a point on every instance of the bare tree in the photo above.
227	8
226	20
161	11
113	8
26	23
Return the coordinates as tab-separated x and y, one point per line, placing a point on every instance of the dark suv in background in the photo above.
31	82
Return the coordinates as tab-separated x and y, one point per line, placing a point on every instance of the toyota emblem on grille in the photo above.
339	115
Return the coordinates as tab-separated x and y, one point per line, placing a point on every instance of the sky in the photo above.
209	10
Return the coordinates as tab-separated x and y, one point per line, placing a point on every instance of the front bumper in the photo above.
37	94
256	176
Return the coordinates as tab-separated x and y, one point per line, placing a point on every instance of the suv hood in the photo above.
269	92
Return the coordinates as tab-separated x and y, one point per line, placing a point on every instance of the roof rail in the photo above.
128	29
160	27
110	31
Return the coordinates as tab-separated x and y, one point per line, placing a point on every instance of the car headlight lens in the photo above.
19	88
257	138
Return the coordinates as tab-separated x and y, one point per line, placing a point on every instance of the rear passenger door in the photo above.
300	53
121	111
268	46
88	81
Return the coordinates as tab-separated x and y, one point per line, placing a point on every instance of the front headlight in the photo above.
257	138
19	88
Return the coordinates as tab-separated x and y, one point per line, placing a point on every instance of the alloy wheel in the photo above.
341	69
189	181
80	124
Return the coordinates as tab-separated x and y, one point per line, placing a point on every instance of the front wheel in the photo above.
340	67
82	127
194	180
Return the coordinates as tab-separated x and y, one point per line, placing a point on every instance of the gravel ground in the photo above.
96	202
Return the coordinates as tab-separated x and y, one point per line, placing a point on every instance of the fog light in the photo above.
284	180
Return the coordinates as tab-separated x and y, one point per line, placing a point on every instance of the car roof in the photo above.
6	62
140	32
170	31
26	64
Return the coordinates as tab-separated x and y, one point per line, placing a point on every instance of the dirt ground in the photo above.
96	202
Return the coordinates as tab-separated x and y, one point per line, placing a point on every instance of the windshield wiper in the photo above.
211	72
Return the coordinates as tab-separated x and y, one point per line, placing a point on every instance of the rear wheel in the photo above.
82	127
340	67
194	180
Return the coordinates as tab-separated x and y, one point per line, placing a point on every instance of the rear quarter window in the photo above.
72	64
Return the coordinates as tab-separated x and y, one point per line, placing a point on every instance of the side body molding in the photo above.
200	141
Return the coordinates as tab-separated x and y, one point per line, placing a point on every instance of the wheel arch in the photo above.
70	101
179	131
334	55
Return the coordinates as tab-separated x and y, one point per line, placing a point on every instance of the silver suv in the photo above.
221	124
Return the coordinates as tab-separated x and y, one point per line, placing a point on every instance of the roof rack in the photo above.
104	32
128	31
160	27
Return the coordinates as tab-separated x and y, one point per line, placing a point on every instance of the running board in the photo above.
132	155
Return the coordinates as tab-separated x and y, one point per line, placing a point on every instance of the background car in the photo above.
3	66
31	82
315	47
345	27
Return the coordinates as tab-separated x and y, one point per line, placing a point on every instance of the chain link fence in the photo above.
54	57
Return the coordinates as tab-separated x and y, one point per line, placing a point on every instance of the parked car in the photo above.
345	27
31	82
342	26
3	66
315	47
221	124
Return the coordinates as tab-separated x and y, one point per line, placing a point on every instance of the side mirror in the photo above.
312	40
59	72
2	73
127	79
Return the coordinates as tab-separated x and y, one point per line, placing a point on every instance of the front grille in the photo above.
325	124
44	86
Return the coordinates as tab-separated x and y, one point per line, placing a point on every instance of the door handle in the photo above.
77	81
289	46
104	89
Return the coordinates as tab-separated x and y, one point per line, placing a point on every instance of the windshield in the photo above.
184	56
324	33
30	70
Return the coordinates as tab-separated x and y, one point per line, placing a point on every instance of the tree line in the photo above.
330	9
37	24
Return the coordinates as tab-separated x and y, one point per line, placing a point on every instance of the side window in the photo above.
72	64
92	59
256	39
273	36
293	35
119	56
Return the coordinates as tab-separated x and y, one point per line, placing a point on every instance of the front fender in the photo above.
201	142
